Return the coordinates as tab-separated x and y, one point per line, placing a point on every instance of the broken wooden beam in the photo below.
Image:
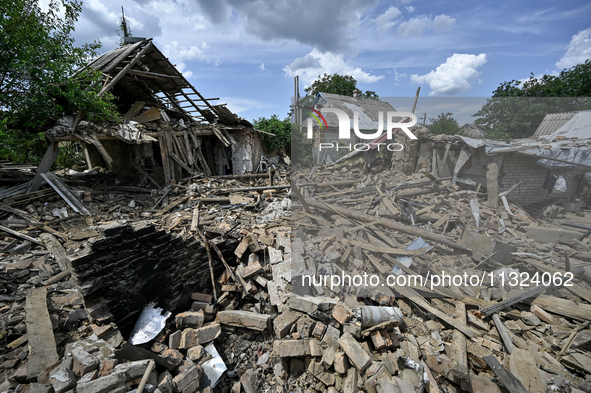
510	381
245	176
55	248
20	235
339	183
42	348
534	292
387	223
263	188
58	185
171	206
500	327
420	191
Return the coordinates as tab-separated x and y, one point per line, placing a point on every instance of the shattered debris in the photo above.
239	284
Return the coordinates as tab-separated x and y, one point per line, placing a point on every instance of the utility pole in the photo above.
424	119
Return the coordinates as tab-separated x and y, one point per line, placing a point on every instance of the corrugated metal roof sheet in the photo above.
552	122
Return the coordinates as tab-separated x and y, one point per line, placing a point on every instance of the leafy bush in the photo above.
281	130
20	147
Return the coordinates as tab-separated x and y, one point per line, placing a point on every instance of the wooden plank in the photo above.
500	327
195	218
93	140
55	233
171	206
575	288
179	148
59	187
153	75
150	178
20	235
442	316
55	248
510	381
564	307
492	185
44	166
221	137
165	159
150	115
388	203
121	73
135	108
388	224
536	291
181	163
386	250
523	366
42	348
16	212
190	159
296	190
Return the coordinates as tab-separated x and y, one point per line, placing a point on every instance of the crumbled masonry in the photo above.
248	271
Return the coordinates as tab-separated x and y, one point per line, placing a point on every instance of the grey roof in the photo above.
153	78
473	131
368	109
552	122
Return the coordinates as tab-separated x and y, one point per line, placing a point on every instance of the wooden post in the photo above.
492	185
165	160
44	166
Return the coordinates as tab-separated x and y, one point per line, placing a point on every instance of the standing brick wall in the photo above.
131	265
518	167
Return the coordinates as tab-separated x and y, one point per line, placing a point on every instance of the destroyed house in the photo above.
368	110
169	130
551	167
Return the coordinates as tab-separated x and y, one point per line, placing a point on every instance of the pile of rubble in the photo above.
229	286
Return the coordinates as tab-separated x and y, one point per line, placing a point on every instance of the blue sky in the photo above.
247	51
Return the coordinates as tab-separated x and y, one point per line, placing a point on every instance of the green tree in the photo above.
280	130
344	85
517	108
284	137
39	80
444	124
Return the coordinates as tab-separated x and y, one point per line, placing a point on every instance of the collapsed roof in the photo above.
140	72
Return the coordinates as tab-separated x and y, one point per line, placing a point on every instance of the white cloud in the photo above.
443	22
387	19
239	104
410	9
262	67
316	63
577	51
415	26
204	45
398	76
177	51
455	76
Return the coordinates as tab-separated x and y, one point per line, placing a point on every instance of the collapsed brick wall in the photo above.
132	265
518	167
